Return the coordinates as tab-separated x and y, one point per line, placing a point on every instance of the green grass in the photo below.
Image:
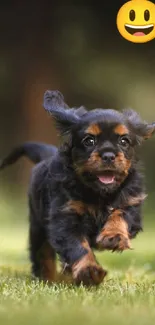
126	297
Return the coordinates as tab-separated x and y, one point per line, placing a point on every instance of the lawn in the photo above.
126	297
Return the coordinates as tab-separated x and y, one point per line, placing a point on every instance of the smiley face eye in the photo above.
132	15
89	141
146	15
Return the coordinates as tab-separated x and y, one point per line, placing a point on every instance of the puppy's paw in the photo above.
115	242
88	274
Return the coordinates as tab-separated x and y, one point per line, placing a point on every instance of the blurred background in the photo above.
75	48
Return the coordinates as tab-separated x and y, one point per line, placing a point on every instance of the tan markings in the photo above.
122	163
94	129
91	209
76	206
121	129
146	137
48	263
136	200
94	157
87	270
79	207
116	223
94	162
114	235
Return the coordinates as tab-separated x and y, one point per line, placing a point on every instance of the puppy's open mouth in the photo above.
139	30
107	177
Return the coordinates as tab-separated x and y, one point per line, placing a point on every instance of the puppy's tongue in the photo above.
106	179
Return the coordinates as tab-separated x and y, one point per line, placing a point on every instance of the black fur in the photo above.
36	152
73	175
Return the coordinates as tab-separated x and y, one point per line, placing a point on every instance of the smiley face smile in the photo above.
138	30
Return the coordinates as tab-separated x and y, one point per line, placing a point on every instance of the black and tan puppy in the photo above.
89	194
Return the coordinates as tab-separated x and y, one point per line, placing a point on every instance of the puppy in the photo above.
89	194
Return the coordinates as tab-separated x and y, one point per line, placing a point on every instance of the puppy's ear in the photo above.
80	111
64	117
142	129
148	130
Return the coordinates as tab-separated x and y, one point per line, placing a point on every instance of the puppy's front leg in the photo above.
114	235
86	269
74	250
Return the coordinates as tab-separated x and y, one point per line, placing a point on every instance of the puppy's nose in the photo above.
108	157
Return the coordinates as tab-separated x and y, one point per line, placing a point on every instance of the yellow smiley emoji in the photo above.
136	21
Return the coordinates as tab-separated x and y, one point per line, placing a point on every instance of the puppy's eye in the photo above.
89	141
124	142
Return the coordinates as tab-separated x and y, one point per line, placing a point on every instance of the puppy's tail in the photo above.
35	151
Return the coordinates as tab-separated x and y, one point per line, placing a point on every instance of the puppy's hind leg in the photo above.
42	255
36	240
48	263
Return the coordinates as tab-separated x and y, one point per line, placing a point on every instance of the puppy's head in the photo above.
102	141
